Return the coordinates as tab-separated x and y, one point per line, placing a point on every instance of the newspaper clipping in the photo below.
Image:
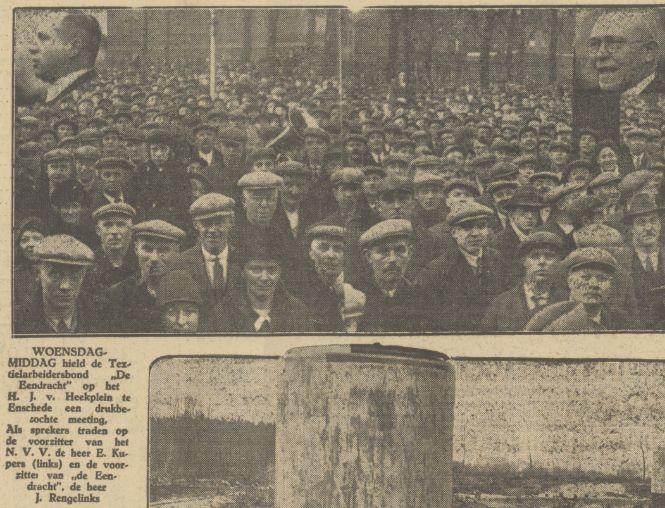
302	256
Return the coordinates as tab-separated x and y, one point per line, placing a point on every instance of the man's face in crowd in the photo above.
538	264
458	195
543	185
347	196
205	139
214	232
181	317
579	175
292	192
395	205
588	144
135	150
85	172
231	151
316	148
622	49
64	130
559	157
471	236
652	187
389	261
71	213
115	232
197	188
153	254
636	144
528	141
61	284
455	157
264	165
376	143
262	278
608	160
51	53
430	196
28	241
590	285
113	179
47	140
501	195
260	205
526	171
526	219
608	193
60	171
327	254
646	230
355	150
159	153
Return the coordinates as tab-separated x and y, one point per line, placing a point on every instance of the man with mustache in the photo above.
465	278
624	49
643	217
58	307
538	253
131	304
393	303
115	260
210	263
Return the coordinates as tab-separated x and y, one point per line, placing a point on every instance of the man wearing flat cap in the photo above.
179	303
131	305
225	176
561	221
464	279
336	305
638	156
115	260
59	306
115	175
590	277
85	158
59	167
211	262
510	311
428	189
393	304
204	145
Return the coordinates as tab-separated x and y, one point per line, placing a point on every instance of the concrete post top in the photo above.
367	353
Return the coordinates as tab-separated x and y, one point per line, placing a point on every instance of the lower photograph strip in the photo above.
374	425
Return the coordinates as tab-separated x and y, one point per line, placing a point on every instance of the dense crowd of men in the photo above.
143	205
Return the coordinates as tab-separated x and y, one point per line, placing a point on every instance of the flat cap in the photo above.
86	152
598	235
547	175
160	137
525	159
634	181
158	228
562	191
540	239
503	171
292	169
233	134
461	183
347	176
177	286
427	178
501	184
391	228
259	154
204	126
260	180
590	257
211	205
633	133
325	231
394	160
355	137
524	197
30	149
468	211
114	209
64	250
393	183
114	162
605	178
58	155
370	170
426	161
89	134
641	204
559	145
29	120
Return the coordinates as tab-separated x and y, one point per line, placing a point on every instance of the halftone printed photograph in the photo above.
372	425
400	170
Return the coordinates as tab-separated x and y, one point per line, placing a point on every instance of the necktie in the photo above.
217	274
61	327
539	301
648	265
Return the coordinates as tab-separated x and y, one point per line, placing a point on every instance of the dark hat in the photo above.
233	135
392	159
355	137
548	175
114	209
393	183
501	184
579	163
632	133
67	192
483	161
590	257
178	286
347	176
503	171
160	137
65	121
58	155
524	197
211	205
204	127
525	159
292	169
384	230
423	177
260	180
540	239
325	231
86	152
561	191
196	173
370	170
641	204
64	250
30	149
468	211
158	228
259	154
461	183
604	179
560	145
114	162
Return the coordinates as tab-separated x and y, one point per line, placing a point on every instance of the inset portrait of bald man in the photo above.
64	51
624	47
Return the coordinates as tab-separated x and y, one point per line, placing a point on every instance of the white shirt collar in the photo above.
639	88
471	259
567	228
531	294
113	199
210	262
643	255
264	316
206	156
520	235
61	84
293	219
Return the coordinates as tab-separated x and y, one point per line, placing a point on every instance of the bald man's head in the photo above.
624	48
66	45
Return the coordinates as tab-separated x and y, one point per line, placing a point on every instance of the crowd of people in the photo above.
143	205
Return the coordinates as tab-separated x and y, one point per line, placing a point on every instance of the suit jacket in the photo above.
83	82
460	296
103	274
234	314
408	311
324	304
30	319
162	193
130	308
296	252
509	311
222	177
507	244
644	282
577	320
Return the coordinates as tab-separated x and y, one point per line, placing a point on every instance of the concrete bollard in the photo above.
364	426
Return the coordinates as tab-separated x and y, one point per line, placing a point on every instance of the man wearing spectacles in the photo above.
624	50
